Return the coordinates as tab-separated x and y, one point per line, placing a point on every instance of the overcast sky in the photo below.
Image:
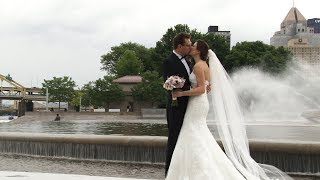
40	39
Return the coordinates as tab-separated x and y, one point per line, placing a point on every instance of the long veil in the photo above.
231	125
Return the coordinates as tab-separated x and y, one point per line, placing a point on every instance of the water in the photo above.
86	127
286	131
7	118
281	97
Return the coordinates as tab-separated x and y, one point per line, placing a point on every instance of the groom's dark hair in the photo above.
180	39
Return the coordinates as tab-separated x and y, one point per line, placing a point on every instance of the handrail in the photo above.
13	83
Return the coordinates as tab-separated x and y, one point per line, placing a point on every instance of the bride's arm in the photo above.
199	89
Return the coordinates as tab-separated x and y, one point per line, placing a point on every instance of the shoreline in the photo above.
311	119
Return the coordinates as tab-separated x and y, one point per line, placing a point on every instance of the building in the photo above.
300	36
315	24
225	34
128	104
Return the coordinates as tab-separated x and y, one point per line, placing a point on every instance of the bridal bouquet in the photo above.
174	82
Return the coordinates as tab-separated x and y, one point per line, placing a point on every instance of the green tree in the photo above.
129	64
165	45
276	60
155	62
87	98
104	91
218	44
60	89
150	89
110	59
81	96
76	97
8	77
259	55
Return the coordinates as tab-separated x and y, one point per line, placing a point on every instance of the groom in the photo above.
176	64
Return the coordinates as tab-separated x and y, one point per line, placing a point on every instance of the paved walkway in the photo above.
16	163
11	175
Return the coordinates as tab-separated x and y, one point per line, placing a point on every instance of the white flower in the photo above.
174	82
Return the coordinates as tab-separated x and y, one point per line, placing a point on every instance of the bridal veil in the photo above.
231	125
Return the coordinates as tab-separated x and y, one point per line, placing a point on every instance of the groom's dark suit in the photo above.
173	66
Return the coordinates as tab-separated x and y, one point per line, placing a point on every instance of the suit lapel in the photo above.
181	65
189	65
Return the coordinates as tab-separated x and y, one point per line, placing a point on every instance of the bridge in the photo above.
15	91
12	93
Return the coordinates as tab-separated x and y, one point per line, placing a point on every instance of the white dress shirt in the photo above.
184	62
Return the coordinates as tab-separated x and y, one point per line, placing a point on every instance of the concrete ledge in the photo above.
289	156
306	147
154	141
153	113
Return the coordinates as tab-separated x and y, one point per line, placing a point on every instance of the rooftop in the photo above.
129	79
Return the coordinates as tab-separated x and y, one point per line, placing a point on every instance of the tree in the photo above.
150	89
155	62
259	55
76	98
129	64
8	77
276	60
60	89
87	98
81	96
104	91
110	59
165	45
218	44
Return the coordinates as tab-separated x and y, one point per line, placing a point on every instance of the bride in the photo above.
197	156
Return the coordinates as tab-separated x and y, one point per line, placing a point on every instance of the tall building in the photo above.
225	34
300	37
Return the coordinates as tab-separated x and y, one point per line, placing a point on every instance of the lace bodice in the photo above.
193	80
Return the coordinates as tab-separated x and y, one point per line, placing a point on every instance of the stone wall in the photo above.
297	156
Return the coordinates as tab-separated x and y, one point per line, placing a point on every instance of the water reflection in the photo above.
258	132
86	127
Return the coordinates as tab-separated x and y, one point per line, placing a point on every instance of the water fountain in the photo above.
283	97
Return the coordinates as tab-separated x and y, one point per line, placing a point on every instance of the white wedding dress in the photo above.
197	155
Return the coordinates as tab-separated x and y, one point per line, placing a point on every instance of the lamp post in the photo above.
80	104
47	98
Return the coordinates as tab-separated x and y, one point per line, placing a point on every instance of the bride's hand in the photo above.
208	87
176	93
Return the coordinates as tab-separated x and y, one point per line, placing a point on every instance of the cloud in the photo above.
45	38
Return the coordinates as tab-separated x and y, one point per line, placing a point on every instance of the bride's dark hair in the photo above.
203	47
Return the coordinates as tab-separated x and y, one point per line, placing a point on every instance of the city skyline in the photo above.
42	39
